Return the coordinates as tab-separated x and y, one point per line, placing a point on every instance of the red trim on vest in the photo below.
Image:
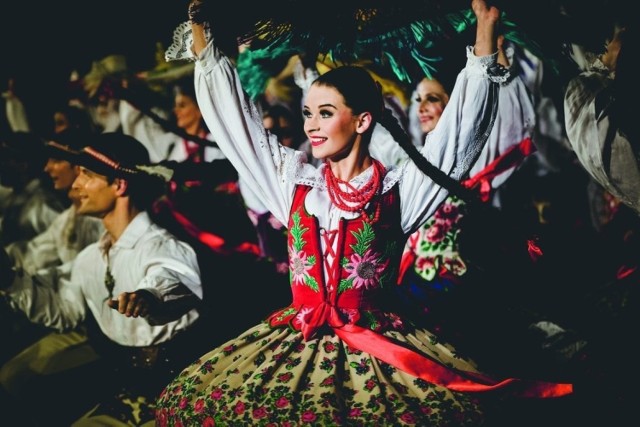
325	307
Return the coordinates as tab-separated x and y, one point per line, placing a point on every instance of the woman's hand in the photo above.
485	13
486	33
196	19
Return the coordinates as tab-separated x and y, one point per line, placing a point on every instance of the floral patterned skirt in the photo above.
273	377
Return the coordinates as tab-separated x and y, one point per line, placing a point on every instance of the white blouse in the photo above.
272	171
605	152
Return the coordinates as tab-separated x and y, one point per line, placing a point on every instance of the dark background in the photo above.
42	42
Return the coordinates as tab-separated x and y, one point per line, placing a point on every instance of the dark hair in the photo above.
116	155
186	87
22	158
77	117
294	128
360	91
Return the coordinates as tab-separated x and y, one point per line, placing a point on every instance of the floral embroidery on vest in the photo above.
299	262
365	266
346	286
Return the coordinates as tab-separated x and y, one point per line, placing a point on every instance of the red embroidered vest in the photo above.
366	261
348	301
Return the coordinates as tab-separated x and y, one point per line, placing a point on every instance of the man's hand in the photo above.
134	304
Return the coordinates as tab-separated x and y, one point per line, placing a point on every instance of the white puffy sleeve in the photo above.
515	121
605	152
236	125
456	143
49	297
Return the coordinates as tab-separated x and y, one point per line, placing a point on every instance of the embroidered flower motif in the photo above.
436	246
425	263
302	315
282	402
184	402
447	213
199	406
355	412
370	385
308	416
239	408
365	270
299	267
259	413
161	418
329	347
396	321
455	265
353	314
328	381
283	378
436	232
408	418
229	349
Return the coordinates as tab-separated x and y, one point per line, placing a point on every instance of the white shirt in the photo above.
145	257
515	121
605	152
29	212
160	144
16	114
272	171
67	235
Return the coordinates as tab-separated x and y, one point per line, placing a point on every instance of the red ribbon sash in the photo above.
419	365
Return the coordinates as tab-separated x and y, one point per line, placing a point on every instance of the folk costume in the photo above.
134	352
336	355
433	265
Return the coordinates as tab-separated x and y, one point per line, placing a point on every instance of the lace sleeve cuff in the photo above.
180	49
487	66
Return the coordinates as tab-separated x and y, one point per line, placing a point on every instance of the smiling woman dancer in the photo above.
337	355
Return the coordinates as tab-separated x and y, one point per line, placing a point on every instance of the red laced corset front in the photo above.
321	301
